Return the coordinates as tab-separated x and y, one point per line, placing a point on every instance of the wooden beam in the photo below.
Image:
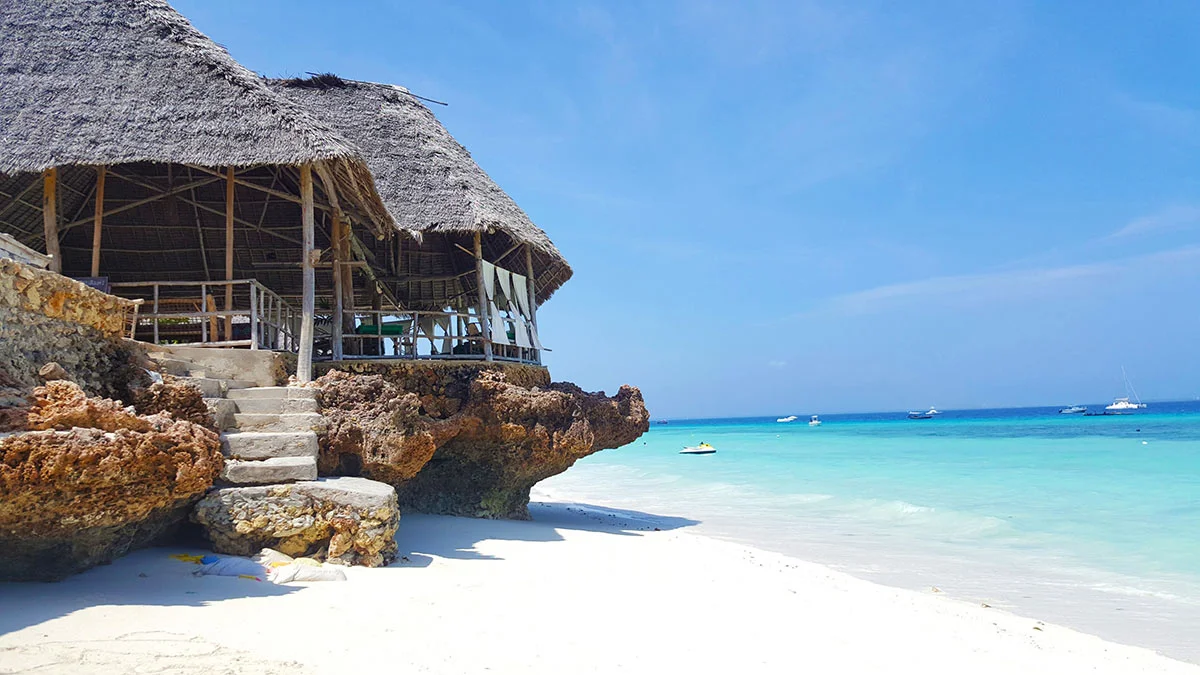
140	202
308	307
256	186
20	199
99	218
485	317
229	185
50	217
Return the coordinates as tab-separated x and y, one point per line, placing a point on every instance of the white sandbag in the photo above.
299	571
269	557
232	567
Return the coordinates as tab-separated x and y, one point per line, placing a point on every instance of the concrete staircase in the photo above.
268	433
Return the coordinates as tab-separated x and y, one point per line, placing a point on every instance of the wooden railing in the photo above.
392	334
241	313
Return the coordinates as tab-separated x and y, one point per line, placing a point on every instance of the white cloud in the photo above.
1175	217
776	364
978	289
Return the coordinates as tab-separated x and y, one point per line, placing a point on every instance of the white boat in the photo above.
702	449
917	415
789	418
814	422
1072	410
1123	403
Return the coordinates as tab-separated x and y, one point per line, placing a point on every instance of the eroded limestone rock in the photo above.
85	480
467	439
348	521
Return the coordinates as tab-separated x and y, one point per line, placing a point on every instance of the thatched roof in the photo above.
121	81
427	179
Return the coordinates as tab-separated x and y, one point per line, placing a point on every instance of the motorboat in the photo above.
1072	410
1123	403
789	418
927	415
702	449
814	422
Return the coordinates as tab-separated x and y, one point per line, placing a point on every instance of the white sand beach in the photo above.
578	590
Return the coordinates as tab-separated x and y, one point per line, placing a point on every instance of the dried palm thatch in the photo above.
121	81
427	179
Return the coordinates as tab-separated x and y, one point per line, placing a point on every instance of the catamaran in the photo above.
1123	402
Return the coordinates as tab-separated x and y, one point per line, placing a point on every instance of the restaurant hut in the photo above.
471	286
142	159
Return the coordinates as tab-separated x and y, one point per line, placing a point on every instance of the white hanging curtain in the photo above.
443	322
522	334
537	344
489	278
425	322
502	275
499	330
521	290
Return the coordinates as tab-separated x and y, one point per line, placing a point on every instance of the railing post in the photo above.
155	313
253	315
204	311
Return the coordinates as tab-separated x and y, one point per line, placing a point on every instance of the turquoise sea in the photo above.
1090	522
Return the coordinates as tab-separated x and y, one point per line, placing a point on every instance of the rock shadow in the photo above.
421	537
145	577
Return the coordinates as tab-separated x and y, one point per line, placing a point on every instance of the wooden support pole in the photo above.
336	326
50	217
309	300
485	318
100	171
532	294
229	185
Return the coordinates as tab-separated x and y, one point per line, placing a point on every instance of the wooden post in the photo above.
50	217
229	184
308	305
485	316
338	308
532	296
99	220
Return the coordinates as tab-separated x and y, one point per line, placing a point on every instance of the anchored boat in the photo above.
702	449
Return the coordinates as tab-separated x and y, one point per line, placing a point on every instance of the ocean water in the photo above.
1090	522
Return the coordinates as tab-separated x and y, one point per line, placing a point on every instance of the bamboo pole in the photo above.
308	305
229	185
50	217
485	318
100	172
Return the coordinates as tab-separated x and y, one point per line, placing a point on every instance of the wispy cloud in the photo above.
1177	121
990	287
1177	217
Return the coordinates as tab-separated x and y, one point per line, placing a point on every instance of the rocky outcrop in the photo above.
182	400
84	480
467	439
46	317
347	521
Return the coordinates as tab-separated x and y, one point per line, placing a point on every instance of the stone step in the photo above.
178	368
268	471
273	406
230	385
268	444
305	421
295	393
224	411
211	388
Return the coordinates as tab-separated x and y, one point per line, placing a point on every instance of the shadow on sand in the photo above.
424	537
146	577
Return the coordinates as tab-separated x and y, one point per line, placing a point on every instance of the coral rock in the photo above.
348	521
467	440
91	480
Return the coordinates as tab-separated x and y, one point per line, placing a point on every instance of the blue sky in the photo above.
807	207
